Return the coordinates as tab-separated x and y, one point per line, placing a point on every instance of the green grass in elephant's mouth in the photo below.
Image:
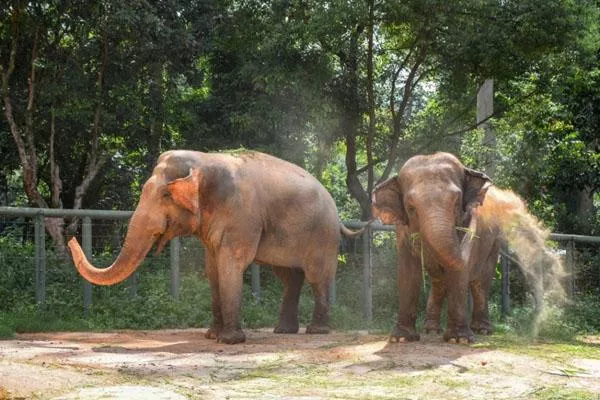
414	239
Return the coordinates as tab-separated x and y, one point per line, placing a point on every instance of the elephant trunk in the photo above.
442	238
137	244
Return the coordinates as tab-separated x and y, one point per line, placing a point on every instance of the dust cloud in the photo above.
527	241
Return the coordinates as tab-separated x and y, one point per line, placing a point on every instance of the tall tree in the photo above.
67	76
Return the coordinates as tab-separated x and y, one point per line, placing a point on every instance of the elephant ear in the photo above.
387	202
184	191
475	188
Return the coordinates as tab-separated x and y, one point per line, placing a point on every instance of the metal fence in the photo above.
363	246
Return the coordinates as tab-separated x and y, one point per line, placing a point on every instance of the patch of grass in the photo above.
548	349
452	383
561	393
7	330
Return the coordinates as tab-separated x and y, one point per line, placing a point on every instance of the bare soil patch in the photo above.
180	364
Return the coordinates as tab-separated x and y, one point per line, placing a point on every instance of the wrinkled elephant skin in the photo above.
447	217
245	207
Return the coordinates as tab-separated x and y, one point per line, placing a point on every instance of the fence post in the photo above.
175	276
570	261
332	292
255	279
86	239
505	264
367	277
40	260
133	284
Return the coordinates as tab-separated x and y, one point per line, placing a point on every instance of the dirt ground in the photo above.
182	364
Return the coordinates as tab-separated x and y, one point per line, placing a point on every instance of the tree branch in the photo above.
55	181
94	162
398	115
370	98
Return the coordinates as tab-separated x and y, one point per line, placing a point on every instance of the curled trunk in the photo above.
441	236
137	244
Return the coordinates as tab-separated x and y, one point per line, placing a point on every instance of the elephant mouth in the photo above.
420	247
161	241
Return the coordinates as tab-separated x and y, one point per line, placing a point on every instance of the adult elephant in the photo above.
244	207
451	221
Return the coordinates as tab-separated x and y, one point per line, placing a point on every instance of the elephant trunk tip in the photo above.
76	252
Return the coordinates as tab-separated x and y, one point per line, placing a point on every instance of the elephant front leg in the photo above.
458	330
231	264
230	293
292	279
213	279
410	279
217	323
434	305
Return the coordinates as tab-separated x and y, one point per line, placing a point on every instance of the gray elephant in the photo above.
244	207
451	221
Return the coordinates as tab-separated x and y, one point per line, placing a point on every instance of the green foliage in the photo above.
152	307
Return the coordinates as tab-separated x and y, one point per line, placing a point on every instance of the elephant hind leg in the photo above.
480	321
292	279
320	277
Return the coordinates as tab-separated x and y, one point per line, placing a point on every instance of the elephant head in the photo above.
169	206
434	195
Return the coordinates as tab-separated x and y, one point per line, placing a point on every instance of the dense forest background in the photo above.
93	91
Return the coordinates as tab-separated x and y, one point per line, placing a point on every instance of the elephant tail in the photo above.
350	233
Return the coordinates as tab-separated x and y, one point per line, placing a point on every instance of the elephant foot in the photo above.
231	337
401	335
286	328
459	336
482	327
432	326
314	329
212	332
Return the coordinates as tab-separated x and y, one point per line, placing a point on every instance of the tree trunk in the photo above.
585	208
350	122
24	136
24	133
370	100
156	117
485	109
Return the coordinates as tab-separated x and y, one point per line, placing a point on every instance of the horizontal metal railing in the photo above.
39	215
